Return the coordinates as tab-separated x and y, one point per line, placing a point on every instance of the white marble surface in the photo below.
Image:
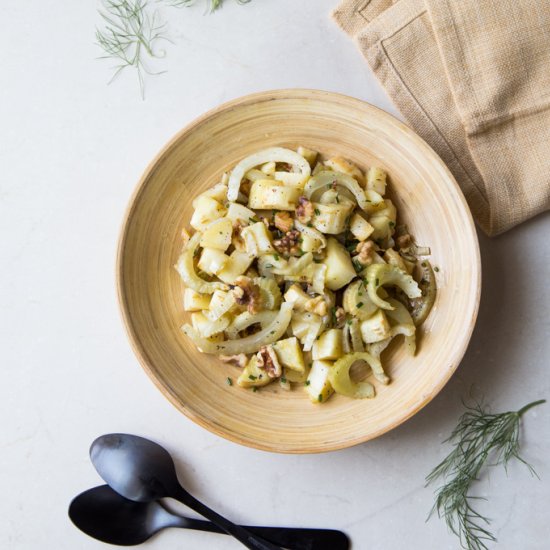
71	151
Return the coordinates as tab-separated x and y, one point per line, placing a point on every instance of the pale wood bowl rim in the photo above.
141	353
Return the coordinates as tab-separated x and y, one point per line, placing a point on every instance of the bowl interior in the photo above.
150	291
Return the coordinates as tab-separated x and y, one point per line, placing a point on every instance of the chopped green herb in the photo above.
424	264
252	377
307	383
317	212
283	379
337	199
309	224
229	381
254	389
320	398
254	219
349	321
360	304
391	224
436	268
268	266
377	282
276	257
333	315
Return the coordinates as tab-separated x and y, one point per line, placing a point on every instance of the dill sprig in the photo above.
477	437
130	34
213	5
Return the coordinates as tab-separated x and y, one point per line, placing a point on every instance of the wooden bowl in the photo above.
150	291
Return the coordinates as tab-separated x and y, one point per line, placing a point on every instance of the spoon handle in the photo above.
292	538
254	542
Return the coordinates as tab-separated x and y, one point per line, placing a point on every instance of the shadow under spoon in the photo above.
109	517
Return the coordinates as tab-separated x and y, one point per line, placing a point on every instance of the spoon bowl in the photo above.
142	470
135	467
104	515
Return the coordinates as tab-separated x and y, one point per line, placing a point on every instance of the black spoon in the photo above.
142	470
109	517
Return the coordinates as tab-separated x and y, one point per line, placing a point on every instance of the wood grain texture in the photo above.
150	292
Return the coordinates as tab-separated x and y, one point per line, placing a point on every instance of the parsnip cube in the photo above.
306	327
255	174
290	354
329	345
318	386
293	179
388	211
393	257
383	227
383	221
339	164
376	328
340	270
206	211
218	192
218	234
206	327
360	228
296	295
257	239
376	180
296	376
269	168
252	375
193	301
308	154
237	264
237	211
212	260
221	303
270	194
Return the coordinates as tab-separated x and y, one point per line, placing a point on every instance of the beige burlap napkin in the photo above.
472	77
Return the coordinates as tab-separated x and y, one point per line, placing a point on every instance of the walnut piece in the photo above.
247	294
304	210
267	360
404	241
239	360
283	221
317	305
289	243
365	250
236	240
